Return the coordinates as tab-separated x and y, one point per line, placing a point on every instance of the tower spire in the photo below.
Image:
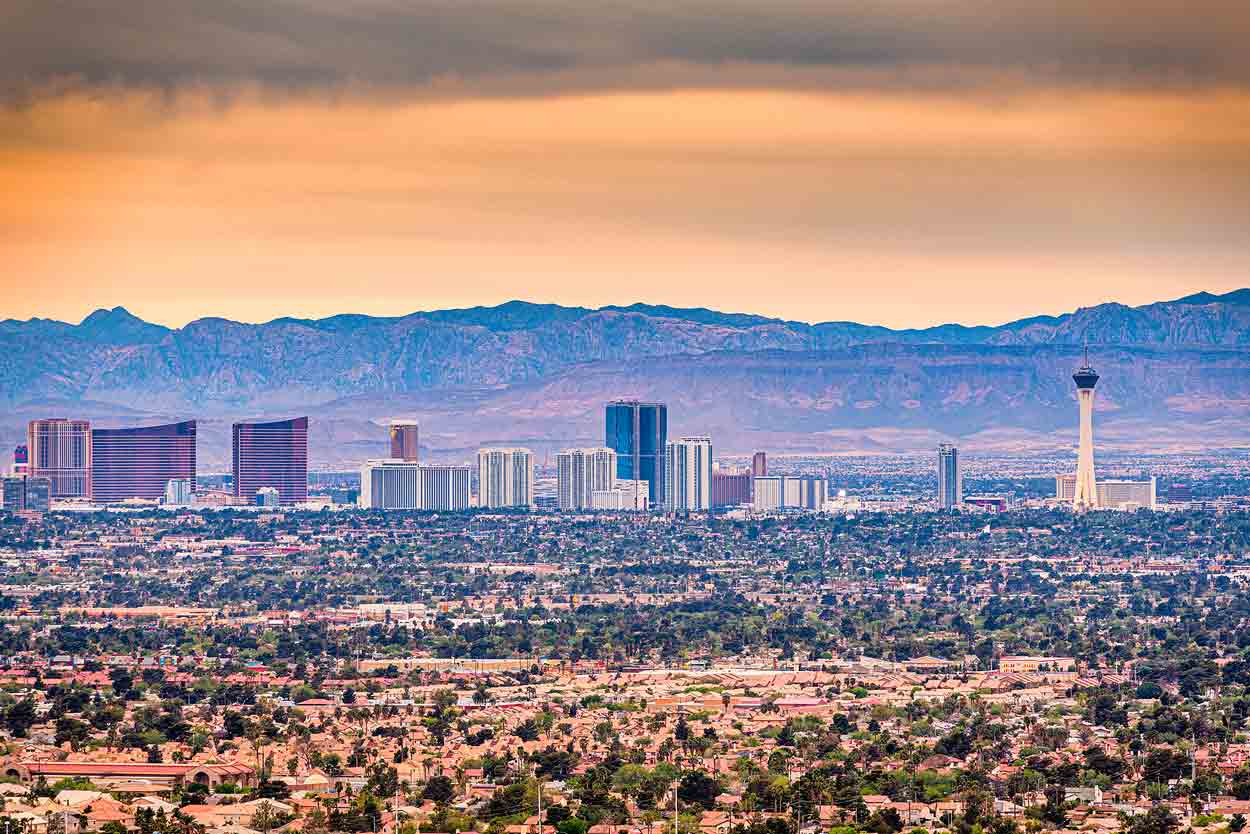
1085	495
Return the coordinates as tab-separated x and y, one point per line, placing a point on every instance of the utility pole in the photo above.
675	784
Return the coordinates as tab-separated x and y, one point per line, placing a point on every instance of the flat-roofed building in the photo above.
390	484
626	495
1112	493
60	450
582	472
1015	664
789	492
445	488
731	487
688	475
505	478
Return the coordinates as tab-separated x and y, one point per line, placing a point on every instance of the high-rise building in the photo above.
638	433
445	488
179	492
731	487
268	497
20	493
950	489
789	492
404	437
21	460
390	484
505	478
582	472
272	455
139	462
688	474
60	450
1085	496
759	465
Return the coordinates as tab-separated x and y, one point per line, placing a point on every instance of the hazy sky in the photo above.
903	162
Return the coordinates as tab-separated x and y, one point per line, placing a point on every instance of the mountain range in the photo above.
1175	373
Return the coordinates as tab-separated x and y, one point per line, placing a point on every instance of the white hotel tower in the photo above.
1085	497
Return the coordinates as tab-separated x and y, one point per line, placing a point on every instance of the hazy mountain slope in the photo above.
879	397
215	366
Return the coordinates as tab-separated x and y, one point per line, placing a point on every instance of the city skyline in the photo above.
574	417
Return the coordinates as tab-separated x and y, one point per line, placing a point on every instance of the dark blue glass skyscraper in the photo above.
638	432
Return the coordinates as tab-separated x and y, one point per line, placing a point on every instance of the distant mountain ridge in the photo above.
521	358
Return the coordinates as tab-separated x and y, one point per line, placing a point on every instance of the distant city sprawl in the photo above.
639	637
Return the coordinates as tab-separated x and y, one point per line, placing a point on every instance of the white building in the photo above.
1127	495
581	473
267	497
179	492
444	487
1112	494
789	492
390	484
688	474
626	495
505	478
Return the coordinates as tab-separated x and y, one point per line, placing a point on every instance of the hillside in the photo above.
540	373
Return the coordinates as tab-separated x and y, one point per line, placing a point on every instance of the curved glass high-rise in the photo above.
272	455
140	462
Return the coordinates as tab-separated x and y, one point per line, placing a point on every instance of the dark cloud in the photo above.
303	44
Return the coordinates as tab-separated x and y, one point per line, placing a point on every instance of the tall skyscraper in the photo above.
60	450
759	465
505	478
445	488
1085	496
390	484
404	437
582	472
272	455
950	491
688	475
140	462
638	433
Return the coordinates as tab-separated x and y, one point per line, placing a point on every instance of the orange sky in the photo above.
902	207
